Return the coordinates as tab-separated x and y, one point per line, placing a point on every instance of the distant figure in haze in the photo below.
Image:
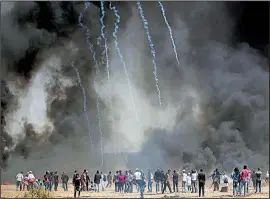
51	180
46	180
56	180
121	181
267	176
103	181
88	180
201	182
163	176
175	181
253	179
216	180
129	183
97	179
184	181
243	179
83	180
115	180
167	182
194	181
109	178
157	178
236	179
65	180
188	182
258	181
31	180
19	181
150	179
77	185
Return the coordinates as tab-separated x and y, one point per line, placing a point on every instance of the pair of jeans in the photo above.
201	189
157	185
121	187
150	184
258	186
175	186
128	187
141	186
116	186
167	184
65	186
77	189
194	186
235	188
183	186
243	185
97	187
18	185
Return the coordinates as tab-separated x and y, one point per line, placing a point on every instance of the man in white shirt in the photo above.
184	181
19	181
32	179
194	181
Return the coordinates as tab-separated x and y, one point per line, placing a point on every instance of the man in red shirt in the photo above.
244	176
121	181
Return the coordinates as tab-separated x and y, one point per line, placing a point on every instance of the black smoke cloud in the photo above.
215	110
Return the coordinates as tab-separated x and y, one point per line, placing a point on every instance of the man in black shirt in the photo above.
201	181
87	181
157	178
55	180
175	181
77	185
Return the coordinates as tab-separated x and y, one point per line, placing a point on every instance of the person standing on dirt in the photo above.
97	179
103	181
150	179
31	180
163	178
253	179
115	180
19	181
216	180
184	181
236	179
65	180
121	181
167	182
55	180
88	180
83	180
194	181
77	185
175	181
46	180
109	177
157	178
201	182
258	181
243	179
140	181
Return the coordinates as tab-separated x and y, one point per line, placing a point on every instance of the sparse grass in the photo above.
37	193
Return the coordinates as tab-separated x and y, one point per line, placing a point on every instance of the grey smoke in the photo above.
215	112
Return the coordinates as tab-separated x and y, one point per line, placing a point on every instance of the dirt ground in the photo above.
9	191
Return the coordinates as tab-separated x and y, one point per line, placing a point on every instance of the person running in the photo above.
150	179
201	182
157	178
175	181
184	181
97	179
258	181
19	181
129	179
243	179
26	182
109	177
140	181
65	180
77	185
167	182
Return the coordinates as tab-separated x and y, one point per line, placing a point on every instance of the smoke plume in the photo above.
215	109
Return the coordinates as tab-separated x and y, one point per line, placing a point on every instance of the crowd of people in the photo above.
139	181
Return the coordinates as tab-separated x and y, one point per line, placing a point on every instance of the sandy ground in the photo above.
9	191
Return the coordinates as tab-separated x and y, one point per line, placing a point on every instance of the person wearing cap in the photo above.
157	178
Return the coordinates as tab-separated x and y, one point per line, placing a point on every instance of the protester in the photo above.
243	179
115	180
83	180
150	179
201	182
188	182
224	182
216	180
97	179
103	181
109	177
77	185
175	181
65	180
194	181
267	177
25	182
46	181
140	181
167	182
253	179
55	180
31	180
258	181
19	181
184	181
163	177
121	181
236	179
157	178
